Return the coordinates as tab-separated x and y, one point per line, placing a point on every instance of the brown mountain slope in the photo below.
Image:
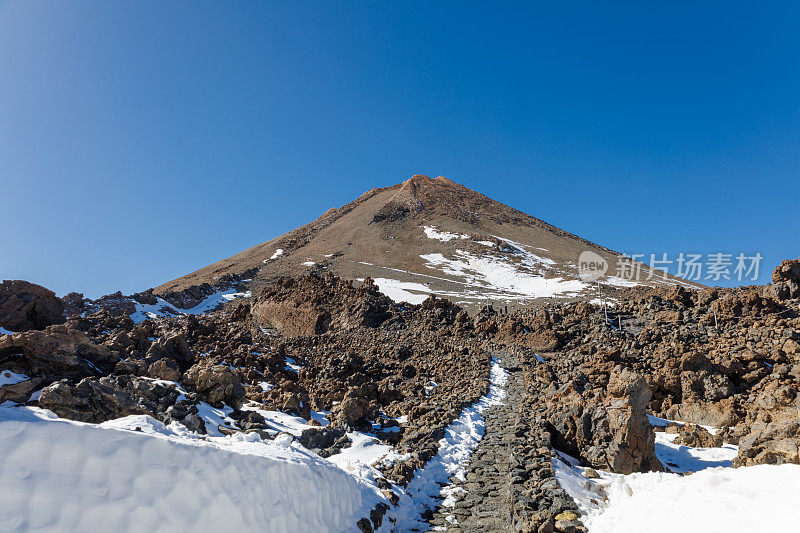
428	235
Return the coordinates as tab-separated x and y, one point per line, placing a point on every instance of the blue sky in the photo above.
143	140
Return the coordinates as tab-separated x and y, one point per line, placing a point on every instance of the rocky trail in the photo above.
484	499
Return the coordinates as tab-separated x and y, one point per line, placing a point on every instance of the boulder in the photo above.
718	414
610	432
325	441
697	437
216	384
171	346
19	392
774	443
317	304
57	352
25	306
632	447
788	270
165	368
353	412
100	399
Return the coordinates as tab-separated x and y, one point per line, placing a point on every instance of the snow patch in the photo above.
754	498
7	377
432	233
495	273
163	308
400	291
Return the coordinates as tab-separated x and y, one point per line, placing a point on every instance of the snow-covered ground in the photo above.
7	377
461	438
513	280
445	236
403	291
700	493
58	475
164	308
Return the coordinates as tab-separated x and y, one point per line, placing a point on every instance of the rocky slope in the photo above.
584	379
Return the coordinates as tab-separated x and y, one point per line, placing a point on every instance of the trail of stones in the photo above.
484	498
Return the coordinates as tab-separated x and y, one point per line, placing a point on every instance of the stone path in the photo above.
485	503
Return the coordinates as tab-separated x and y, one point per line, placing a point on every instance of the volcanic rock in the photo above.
216	384
25	306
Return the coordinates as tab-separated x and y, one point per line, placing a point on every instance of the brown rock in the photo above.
215	384
57	352
716	414
697	436
25	306
166	369
315	304
352	412
633	444
19	392
775	443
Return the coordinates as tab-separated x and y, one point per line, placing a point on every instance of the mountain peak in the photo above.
421	236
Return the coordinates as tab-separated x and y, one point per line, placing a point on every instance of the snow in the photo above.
359	458
617	281
700	493
285	422
277	254
356	460
4	331
213	417
164	308
60	475
309	263
522	249
656	421
432	233
7	377
291	364
400	291
496	273
461	438
755	498
680	459
266	386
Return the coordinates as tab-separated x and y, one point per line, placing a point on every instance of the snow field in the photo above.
68	476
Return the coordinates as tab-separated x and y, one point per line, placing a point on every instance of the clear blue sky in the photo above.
142	140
